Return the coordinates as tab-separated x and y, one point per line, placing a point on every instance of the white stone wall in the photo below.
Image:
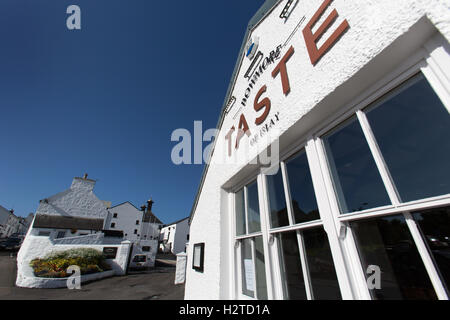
382	35
180	236
151	255
180	272
38	247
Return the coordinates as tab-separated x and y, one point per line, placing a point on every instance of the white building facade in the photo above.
126	218
352	100
174	236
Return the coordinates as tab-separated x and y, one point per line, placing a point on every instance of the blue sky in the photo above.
105	99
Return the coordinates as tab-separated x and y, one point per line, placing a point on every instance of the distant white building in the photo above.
151	225
9	223
135	224
174	236
127	218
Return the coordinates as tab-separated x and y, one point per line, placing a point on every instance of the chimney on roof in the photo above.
150	204
143	208
12	211
85	176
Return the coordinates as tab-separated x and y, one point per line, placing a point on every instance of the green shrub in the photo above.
55	264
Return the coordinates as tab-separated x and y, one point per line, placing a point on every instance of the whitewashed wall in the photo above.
180	237
382	34
38	247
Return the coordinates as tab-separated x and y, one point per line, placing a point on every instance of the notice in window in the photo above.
249	275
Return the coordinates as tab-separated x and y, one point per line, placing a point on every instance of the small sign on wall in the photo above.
199	257
110	252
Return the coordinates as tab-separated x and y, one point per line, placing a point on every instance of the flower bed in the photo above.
55	264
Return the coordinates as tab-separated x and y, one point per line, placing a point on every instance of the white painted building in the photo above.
151	225
134	223
126	218
58	215
74	218
174	236
355	95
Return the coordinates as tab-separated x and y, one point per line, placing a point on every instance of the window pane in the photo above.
240	213
321	269
248	272
291	267
412	128
435	227
254	224
356	178
277	200
302	192
261	285
387	243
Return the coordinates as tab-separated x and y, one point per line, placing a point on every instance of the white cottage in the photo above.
74	218
352	100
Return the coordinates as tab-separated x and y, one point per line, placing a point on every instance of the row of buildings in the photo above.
10	224
78	212
77	218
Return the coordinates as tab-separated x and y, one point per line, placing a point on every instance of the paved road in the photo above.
7	272
157	284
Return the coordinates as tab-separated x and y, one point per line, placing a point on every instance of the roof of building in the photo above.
263	11
121	204
61	222
178	221
150	217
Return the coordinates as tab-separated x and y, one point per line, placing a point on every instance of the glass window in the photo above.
277	200
387	243
291	267
412	128
61	234
248	272
261	285
254	224
321	269
253	269
303	197
434	225
241	227
356	179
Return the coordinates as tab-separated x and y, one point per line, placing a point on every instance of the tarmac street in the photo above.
157	284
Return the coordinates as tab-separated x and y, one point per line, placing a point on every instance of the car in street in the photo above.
139	261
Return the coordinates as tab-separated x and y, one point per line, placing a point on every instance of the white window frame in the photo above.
236	256
434	65
276	264
434	62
